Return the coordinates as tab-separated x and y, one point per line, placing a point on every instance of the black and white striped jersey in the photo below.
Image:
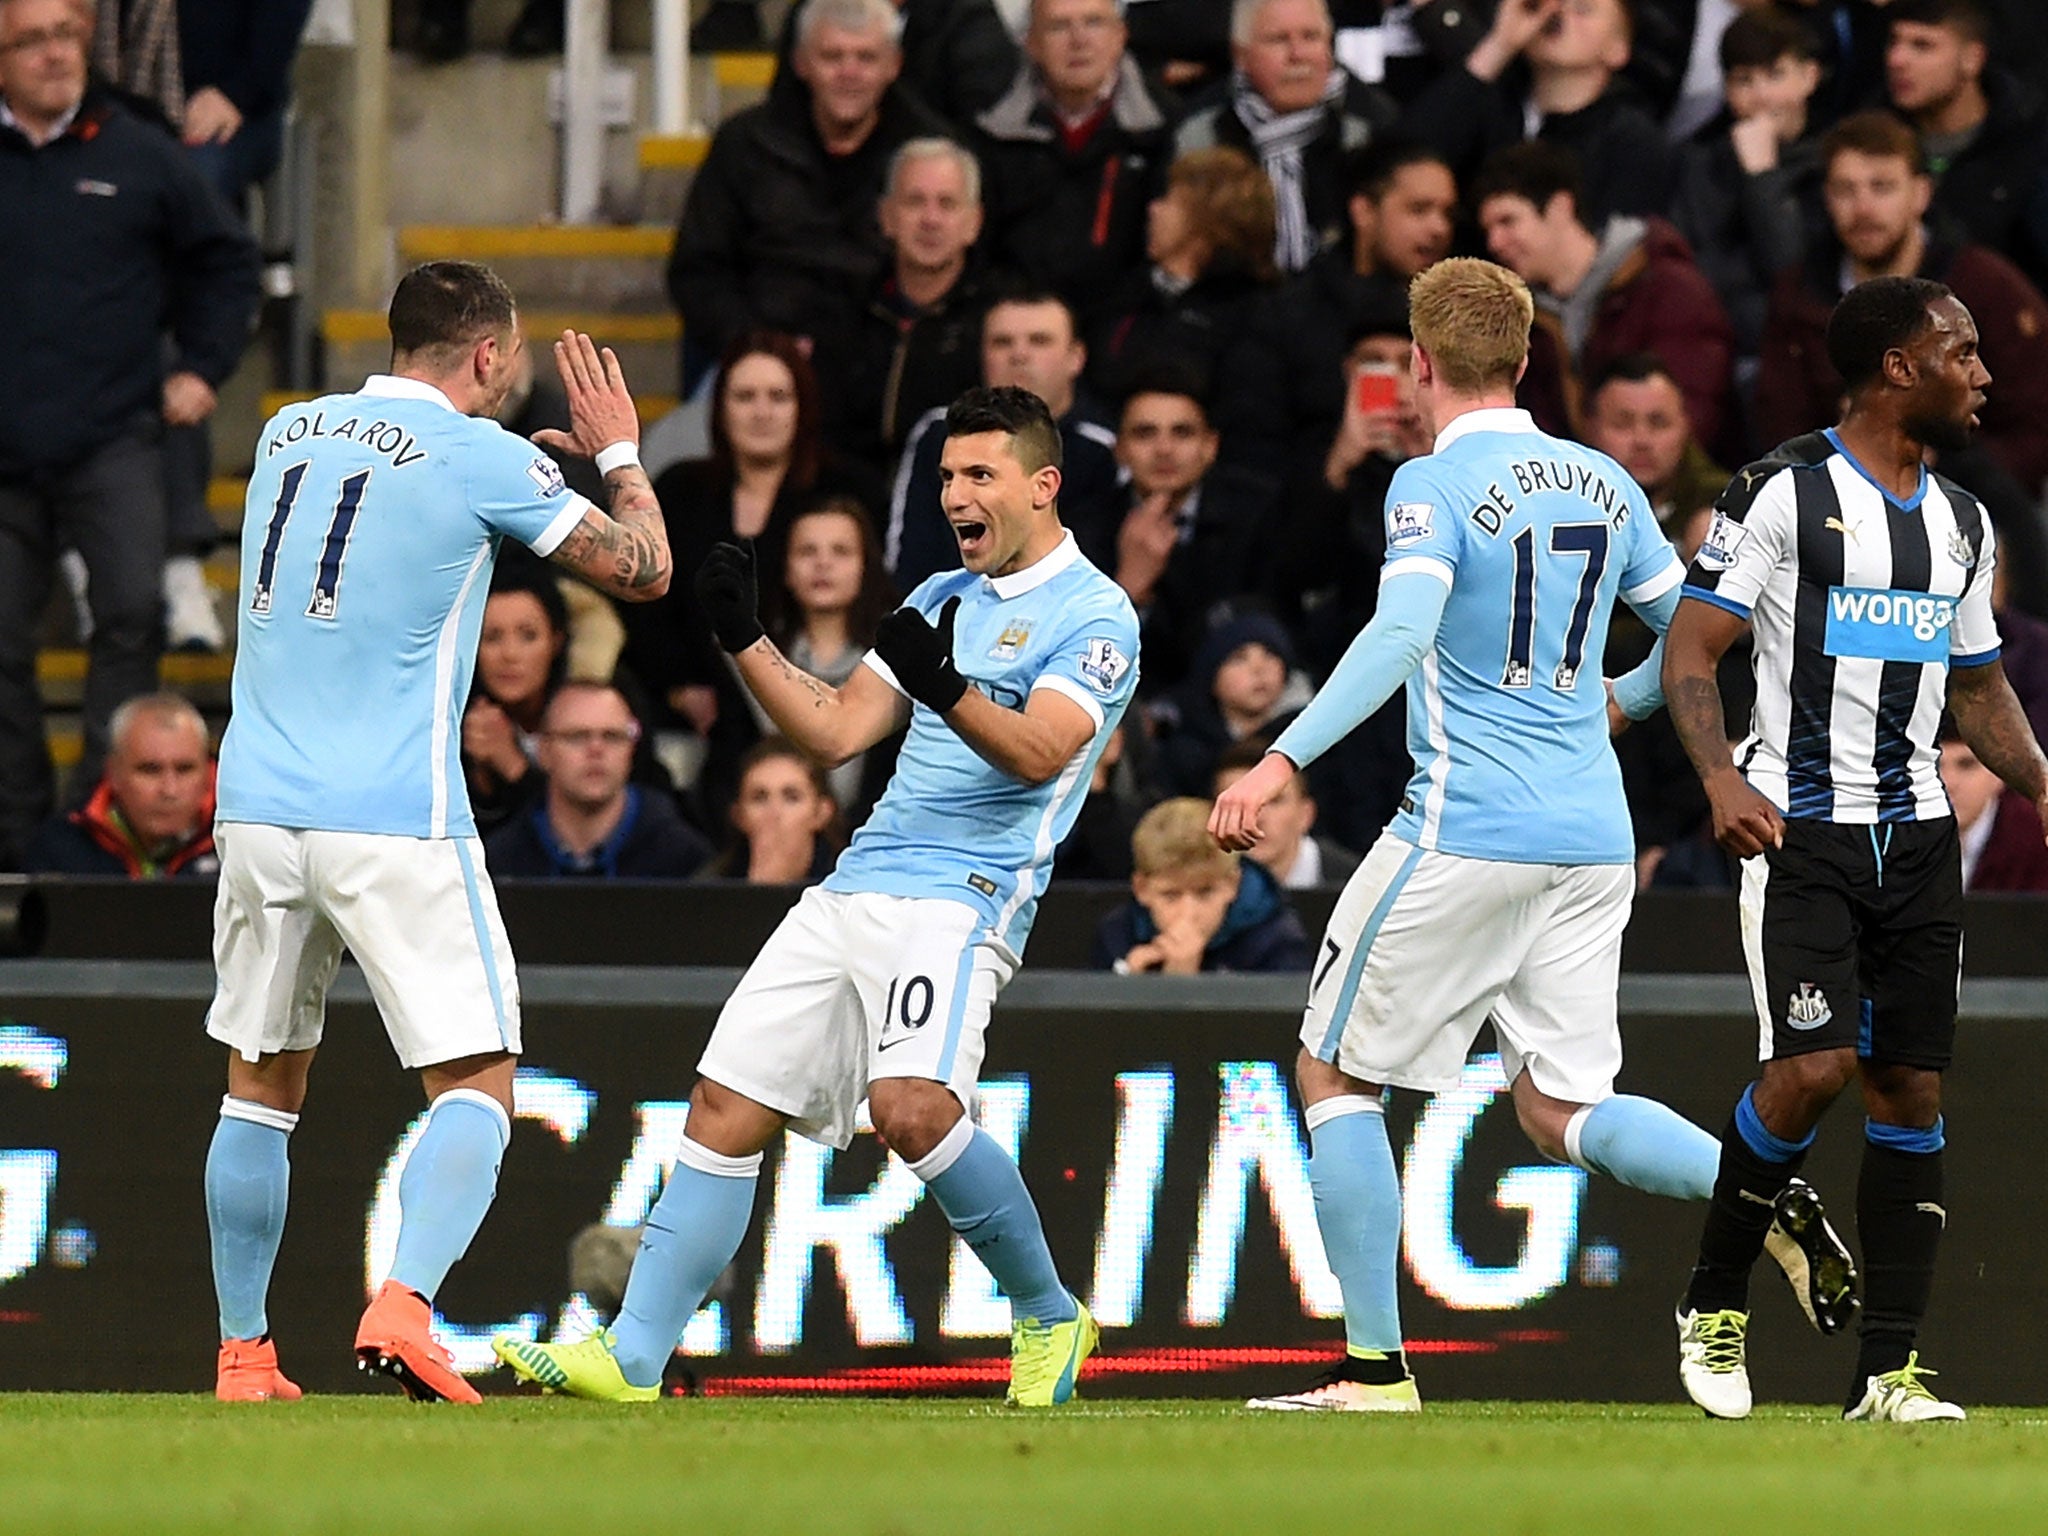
1858	605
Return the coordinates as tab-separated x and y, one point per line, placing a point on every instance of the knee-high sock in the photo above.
448	1185
1899	1217
1358	1209
984	1198
691	1235
248	1178
1645	1145
1756	1165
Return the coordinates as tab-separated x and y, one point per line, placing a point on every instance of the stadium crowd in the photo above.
1188	226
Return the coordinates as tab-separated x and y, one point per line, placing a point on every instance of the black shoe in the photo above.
1818	1266
441	35
730	26
538	31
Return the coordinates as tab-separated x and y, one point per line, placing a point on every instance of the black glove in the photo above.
726	588
921	656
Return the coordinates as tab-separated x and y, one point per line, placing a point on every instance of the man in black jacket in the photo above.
779	230
1073	153
111	239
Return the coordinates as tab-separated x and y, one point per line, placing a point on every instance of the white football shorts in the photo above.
418	914
852	987
1422	946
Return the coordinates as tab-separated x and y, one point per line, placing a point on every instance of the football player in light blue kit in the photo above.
1011	674
1502	887
372	523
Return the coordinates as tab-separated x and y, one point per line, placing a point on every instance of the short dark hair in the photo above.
445	304
1535	170
1629	368
1967	18
1368	172
1875	318
1758	39
1016	413
1877	134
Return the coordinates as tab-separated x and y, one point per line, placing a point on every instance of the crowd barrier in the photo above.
1155	1120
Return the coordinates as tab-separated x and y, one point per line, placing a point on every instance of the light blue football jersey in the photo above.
372	523
952	825
1507	715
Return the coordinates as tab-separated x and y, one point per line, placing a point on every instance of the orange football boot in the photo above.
248	1373
394	1339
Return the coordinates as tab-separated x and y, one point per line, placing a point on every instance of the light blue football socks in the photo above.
448	1185
983	1195
1358	1210
691	1235
1645	1145
248	1177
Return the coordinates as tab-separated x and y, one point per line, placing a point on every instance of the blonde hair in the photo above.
1173	838
1472	317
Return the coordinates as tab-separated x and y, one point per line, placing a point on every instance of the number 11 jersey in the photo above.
368	537
1507	714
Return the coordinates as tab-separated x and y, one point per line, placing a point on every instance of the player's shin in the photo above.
1358	1209
1899	1215
248	1177
1645	1145
984	1198
1756	1165
448	1185
691	1235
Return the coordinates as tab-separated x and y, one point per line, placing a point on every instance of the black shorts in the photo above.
1854	937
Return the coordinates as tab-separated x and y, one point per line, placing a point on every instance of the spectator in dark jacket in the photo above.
1983	132
1749	182
1281	390
1877	200
958	57
1028	339
1554	72
237	57
151	815
591	820
1193	538
1196	908
111	239
916	345
1632	287
779	230
1210	239
1297	112
1073	152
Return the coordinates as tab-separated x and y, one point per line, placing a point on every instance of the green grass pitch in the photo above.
159	1463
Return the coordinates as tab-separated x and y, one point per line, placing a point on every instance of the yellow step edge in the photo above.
178	669
506	242
343	326
743	71
673	151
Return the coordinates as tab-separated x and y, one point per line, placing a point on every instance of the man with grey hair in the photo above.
1074	152
1299	113
779	231
151	816
915	345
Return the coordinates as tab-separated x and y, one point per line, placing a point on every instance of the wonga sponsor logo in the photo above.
1888	626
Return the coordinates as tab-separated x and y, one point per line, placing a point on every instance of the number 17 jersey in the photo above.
1507	712
368	537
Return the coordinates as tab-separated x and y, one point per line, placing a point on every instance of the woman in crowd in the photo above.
785	822
1210	239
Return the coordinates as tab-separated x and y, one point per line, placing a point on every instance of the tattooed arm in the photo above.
626	552
1745	823
832	724
1989	715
